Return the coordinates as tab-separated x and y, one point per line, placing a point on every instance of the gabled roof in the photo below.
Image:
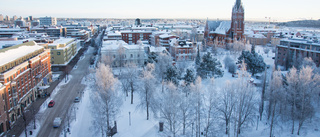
212	25
219	27
223	28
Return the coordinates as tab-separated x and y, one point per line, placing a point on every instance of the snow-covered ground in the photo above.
140	127
82	125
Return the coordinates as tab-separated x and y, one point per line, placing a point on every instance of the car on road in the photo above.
51	103
57	122
77	99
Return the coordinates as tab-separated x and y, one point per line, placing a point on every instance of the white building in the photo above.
50	21
121	54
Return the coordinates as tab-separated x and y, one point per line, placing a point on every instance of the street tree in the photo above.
106	82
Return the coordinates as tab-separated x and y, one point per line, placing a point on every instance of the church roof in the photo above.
213	25
219	27
224	27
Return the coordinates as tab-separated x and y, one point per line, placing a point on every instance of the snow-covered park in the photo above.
132	118
140	98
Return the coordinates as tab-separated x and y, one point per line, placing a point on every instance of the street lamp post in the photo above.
129	118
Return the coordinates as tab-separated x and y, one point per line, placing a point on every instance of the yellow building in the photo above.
63	50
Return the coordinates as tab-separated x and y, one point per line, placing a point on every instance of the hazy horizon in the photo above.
277	11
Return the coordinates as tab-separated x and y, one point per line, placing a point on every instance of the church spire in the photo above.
238	4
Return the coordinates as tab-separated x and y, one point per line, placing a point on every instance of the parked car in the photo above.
51	103
92	60
77	99
57	122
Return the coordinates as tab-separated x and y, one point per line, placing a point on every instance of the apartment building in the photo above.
63	51
132	37
52	31
3	115
80	35
112	36
8	32
289	49
49	21
165	40
181	50
24	68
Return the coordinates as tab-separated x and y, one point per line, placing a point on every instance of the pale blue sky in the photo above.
278	10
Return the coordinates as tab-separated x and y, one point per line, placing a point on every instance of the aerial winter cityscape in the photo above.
206	68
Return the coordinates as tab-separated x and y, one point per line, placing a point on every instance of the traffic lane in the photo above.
64	100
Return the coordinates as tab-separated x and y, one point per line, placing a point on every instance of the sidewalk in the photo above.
19	125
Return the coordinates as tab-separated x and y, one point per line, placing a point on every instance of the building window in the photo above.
58	53
131	55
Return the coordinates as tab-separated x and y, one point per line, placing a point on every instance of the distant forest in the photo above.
302	23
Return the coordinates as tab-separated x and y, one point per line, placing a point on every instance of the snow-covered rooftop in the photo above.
223	28
114	44
165	36
13	54
10	43
157	49
63	40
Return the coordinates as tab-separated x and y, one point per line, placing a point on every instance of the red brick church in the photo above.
222	32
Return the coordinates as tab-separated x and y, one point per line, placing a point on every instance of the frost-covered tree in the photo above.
292	89
210	107
226	105
255	63
276	90
106	82
130	76
169	103
107	59
230	64
189	77
209	67
309	86
197	93
147	91
309	62
186	112
171	75
164	61
246	100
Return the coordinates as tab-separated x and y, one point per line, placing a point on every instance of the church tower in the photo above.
237	21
